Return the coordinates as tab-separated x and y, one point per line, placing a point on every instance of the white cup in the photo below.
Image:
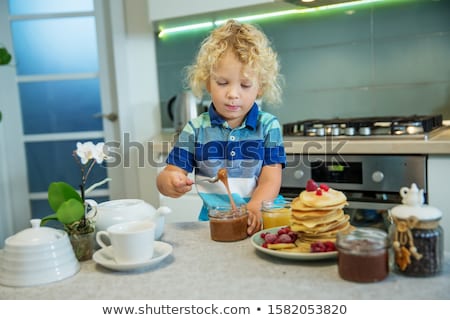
131	242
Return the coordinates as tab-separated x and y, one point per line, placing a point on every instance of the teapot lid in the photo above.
36	235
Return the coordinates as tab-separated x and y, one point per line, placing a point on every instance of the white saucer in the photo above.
105	258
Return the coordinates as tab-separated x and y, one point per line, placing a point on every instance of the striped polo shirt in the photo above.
207	144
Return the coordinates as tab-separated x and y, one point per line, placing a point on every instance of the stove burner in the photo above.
363	127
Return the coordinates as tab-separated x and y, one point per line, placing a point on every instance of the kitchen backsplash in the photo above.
391	59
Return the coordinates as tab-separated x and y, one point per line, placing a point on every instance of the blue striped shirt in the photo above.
207	144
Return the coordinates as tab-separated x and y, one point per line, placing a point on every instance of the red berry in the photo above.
263	235
311	185
264	245
324	187
319	192
284	238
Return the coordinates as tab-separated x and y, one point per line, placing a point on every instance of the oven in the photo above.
371	182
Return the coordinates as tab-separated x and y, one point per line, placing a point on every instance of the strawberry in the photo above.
324	187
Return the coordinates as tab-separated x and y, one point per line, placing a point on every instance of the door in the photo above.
53	94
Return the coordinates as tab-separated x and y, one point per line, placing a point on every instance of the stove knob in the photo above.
298	174
377	176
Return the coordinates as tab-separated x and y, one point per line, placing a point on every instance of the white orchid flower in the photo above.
85	151
100	152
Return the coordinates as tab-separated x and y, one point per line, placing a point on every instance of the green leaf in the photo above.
48	218
70	211
5	56
60	192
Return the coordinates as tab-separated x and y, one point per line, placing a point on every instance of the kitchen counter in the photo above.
436	144
200	268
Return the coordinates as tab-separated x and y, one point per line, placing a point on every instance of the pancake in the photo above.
322	227
298	205
324	199
319	220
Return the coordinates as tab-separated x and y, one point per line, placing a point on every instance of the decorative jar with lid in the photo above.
417	238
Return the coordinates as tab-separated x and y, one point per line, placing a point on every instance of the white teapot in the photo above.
412	196
124	210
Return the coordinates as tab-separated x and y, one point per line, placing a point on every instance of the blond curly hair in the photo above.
251	47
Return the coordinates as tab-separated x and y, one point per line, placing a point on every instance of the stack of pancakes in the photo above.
319	216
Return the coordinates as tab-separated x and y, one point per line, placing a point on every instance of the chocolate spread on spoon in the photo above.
223	176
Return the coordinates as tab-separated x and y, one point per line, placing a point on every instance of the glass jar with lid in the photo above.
417	238
276	213
363	255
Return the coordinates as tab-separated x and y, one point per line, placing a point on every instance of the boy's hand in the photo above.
180	184
174	182
254	218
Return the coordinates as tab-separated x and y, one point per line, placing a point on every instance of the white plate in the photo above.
257	242
105	258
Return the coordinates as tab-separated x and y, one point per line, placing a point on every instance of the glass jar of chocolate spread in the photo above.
226	224
417	238
363	255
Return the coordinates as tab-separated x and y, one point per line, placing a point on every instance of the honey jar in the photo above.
417	237
276	213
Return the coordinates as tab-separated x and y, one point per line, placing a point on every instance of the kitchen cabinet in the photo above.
169	9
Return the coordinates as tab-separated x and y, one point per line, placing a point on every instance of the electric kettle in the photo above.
182	108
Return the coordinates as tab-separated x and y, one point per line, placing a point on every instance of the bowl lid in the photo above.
36	235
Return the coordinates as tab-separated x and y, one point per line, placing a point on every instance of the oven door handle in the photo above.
370	205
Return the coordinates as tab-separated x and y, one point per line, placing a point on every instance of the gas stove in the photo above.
392	127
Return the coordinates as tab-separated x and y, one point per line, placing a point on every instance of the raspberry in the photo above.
311	185
329	246
270	238
318	247
324	187
319	192
284	238
263	235
293	235
284	230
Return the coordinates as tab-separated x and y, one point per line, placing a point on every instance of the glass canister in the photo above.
226	224
363	255
417	238
276	213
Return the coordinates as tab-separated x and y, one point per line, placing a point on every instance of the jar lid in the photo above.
363	240
36	235
423	212
413	205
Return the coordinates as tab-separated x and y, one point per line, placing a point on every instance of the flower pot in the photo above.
83	245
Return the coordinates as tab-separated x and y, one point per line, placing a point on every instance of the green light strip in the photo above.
204	25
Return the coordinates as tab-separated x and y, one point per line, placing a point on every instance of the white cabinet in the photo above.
168	9
438	186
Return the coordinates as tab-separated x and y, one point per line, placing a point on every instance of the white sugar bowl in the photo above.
37	255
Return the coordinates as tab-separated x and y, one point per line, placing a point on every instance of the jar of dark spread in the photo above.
226	224
417	238
363	255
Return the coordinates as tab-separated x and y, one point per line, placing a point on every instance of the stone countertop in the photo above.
200	268
438	144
